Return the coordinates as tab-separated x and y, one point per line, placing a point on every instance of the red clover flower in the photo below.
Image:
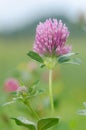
11	85
50	48
50	38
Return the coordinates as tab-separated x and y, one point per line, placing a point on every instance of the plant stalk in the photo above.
32	110
50	91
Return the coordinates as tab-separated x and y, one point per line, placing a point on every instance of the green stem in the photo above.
50	91
32	110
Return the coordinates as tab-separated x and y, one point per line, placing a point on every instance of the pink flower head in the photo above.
11	85
51	37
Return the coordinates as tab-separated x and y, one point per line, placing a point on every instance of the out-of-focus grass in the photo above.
69	86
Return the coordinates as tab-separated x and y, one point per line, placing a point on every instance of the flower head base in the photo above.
50	62
50	38
22	91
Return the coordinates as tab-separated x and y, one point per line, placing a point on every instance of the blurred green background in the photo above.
69	81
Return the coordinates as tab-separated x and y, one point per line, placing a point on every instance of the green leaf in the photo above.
32	88
37	92
42	66
35	83
8	103
46	123
21	121
35	56
63	59
40	91
69	54
67	59
13	101
76	61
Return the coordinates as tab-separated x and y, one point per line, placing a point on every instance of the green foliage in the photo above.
70	54
42	124
42	66
35	56
68	59
63	59
21	121
76	61
50	62
19	98
33	90
8	103
46	123
26	95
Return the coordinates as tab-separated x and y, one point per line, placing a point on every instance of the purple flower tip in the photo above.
51	37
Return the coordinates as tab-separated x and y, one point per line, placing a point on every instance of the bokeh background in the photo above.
18	21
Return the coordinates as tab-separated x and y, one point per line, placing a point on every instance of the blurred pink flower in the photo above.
11	85
51	37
